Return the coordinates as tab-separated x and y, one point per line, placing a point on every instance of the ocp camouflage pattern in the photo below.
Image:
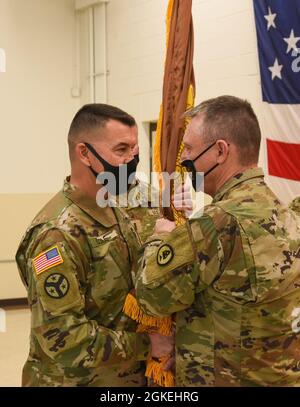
233	280
79	334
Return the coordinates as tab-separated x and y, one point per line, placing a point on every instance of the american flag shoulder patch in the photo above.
47	259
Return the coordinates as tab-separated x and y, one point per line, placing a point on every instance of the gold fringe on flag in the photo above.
147	322
155	372
179	217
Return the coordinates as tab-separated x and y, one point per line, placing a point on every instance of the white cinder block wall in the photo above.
136	53
36	107
225	58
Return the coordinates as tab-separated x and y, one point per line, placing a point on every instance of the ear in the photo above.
222	151
81	152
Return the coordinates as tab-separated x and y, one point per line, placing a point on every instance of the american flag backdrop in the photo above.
278	37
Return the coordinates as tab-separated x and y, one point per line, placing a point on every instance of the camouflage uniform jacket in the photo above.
79	334
142	209
233	278
295	204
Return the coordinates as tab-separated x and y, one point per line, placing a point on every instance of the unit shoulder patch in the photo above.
165	254
56	285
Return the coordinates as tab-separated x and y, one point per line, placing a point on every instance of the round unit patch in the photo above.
164	255
56	285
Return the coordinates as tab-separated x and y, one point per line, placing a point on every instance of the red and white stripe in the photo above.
281	129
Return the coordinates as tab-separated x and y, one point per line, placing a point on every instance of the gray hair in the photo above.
232	119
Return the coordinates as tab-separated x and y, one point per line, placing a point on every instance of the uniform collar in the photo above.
105	216
236	180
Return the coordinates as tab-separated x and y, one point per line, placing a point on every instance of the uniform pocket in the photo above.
110	277
113	251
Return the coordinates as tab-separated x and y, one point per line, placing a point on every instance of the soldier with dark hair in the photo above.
78	262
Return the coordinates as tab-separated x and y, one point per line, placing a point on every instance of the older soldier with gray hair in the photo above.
232	276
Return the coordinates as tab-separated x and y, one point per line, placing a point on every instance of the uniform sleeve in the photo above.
295	205
59	323
176	266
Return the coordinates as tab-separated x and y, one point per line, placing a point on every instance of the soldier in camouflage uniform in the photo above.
78	262
295	204
232	276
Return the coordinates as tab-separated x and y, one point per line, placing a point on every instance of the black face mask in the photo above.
190	166
121	175
137	158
